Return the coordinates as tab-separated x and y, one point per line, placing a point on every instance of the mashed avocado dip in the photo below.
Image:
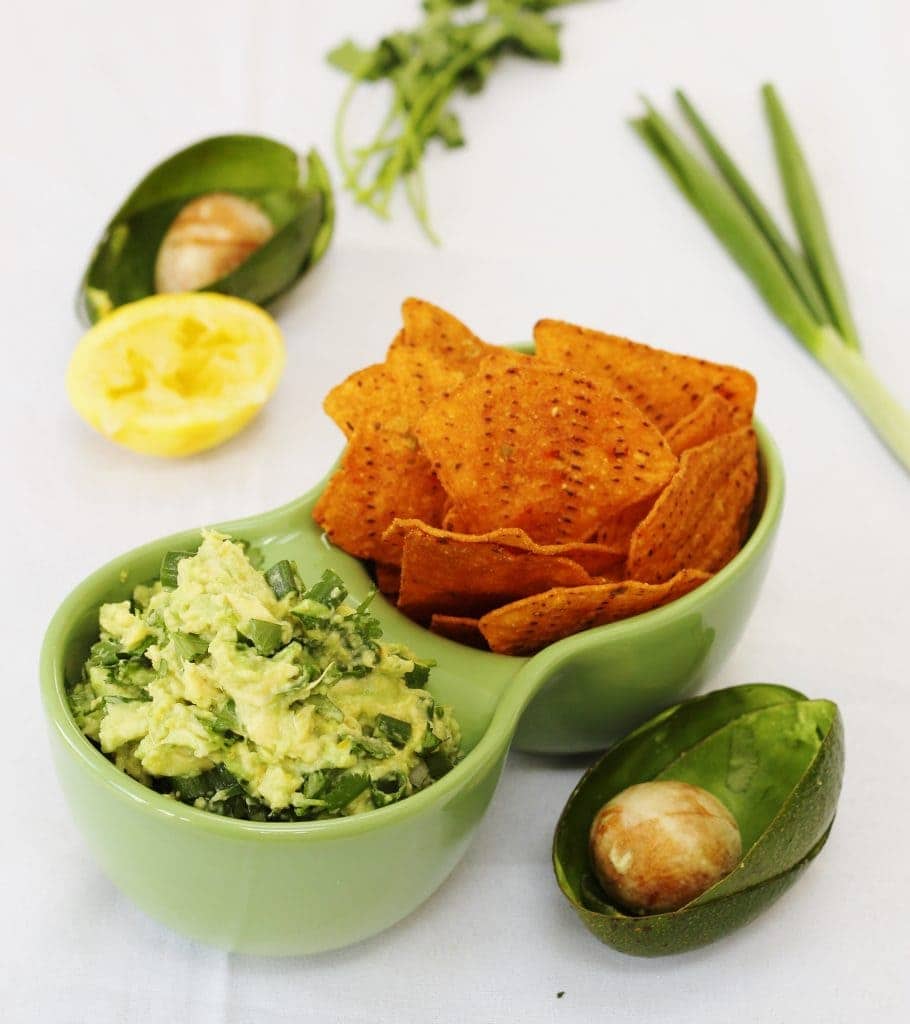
246	694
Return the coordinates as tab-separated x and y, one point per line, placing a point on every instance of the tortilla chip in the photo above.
455	574
664	385
383	474
388	578
382	477
541	448
396	395
350	401
595	559
431	354
431	331
460	629
701	519
712	417
530	624
616	530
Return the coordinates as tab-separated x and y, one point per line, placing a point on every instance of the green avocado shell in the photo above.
295	193
772	756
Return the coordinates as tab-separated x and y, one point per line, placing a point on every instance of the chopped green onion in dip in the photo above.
246	694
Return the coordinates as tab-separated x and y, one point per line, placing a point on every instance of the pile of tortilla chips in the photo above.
508	500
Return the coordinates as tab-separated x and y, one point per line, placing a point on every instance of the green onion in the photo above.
217	781
371	747
265	636
388	788
430	740
806	210
395	730
190	646
282	579
805	291
344	789
325	707
792	261
438	763
191	787
169	563
418	676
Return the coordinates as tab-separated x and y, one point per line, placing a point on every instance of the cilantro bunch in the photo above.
455	47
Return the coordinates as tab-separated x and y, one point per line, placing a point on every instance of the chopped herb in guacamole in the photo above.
250	695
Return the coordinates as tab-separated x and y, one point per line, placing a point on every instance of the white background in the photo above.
554	209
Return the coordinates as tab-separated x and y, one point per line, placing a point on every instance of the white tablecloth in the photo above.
553	209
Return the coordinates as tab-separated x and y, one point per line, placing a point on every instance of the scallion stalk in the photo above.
168	572
282	579
792	261
265	636
344	789
806	210
396	731
804	290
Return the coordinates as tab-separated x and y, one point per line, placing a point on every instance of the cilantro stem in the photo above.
455	46
341	151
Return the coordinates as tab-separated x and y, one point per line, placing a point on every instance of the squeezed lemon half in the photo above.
176	374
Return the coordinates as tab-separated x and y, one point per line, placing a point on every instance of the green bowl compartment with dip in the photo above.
288	889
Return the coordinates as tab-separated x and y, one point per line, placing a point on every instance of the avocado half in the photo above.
773	757
293	191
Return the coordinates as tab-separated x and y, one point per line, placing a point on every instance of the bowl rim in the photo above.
493	743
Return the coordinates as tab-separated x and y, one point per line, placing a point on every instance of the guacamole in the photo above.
246	694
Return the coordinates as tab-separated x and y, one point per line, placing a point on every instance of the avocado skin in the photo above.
774	861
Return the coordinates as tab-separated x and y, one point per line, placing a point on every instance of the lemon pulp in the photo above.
175	374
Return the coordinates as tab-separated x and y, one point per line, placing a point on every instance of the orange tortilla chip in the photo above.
530	624
382	476
348	402
388	578
664	385
428	357
616	530
466	576
595	559
395	395
545	449
700	520
712	417
460	629
378	408
432	332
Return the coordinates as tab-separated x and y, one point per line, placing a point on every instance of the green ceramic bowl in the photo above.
302	888
600	684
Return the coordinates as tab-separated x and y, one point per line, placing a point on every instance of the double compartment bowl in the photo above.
308	887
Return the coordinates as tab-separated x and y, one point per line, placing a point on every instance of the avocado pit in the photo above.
208	239
658	845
